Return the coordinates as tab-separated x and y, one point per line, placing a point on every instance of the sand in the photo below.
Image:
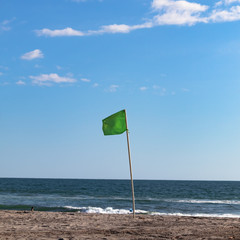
59	225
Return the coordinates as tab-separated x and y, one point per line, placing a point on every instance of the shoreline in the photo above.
111	211
74	225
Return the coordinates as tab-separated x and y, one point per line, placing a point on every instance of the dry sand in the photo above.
58	225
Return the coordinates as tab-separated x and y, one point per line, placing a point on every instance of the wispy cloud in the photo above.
165	12
111	29
32	55
143	88
49	79
59	32
95	85
3	69
233	14
20	82
159	90
156	89
113	88
226	2
177	12
5	25
188	13
85	80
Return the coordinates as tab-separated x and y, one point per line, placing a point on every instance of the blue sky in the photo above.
67	64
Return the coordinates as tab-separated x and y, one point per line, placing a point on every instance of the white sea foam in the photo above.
207	201
200	201
110	210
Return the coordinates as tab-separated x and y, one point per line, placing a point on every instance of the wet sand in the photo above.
58	225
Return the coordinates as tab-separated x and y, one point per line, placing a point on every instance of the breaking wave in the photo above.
208	201
110	210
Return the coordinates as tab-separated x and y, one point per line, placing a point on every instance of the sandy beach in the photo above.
66	225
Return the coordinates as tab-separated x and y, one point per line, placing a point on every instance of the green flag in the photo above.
115	124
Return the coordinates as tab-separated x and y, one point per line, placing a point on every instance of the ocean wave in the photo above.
197	201
110	210
207	201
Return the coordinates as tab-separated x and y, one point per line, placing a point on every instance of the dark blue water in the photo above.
196	198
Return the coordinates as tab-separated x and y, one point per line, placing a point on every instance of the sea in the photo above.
152	197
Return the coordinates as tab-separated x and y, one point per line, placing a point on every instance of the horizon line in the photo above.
121	179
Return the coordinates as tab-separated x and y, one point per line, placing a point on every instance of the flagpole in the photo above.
130	166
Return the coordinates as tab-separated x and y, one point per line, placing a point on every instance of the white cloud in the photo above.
178	12
20	82
113	88
113	28
143	88
160	90
32	55
123	28
95	85
183	12
176	18
226	16
48	79
165	12
178	5
4	25
85	80
218	3
231	1
59	32
227	2
1	73
169	12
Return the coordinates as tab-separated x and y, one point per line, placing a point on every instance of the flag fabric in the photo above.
115	124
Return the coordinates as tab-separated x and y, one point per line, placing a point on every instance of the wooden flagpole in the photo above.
130	166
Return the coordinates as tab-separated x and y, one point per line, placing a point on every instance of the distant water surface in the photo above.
188	198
